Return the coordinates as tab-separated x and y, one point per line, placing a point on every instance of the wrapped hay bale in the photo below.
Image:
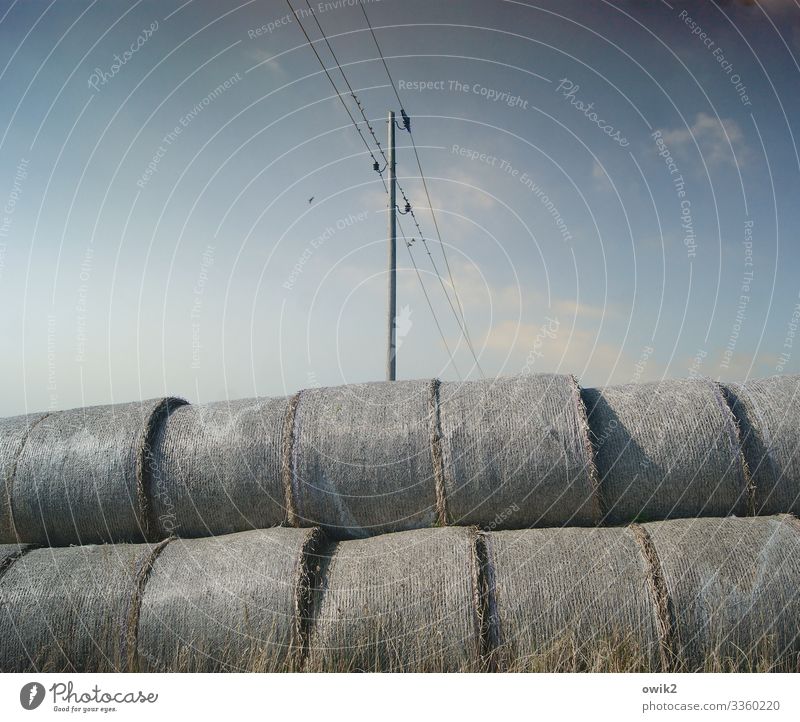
82	475
767	411
572	600
666	450
217	468
361	458
232	603
398	602
733	590
516	453
65	610
13	434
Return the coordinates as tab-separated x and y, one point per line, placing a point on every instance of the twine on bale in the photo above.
315	554
130	625
662	603
768	416
731	403
436	454
145	468
287	461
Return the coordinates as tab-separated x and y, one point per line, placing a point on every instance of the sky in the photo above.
186	207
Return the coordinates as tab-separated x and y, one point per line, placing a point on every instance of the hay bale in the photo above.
572	599
217	468
65	610
517	453
224	604
398	602
733	586
13	434
361	458
82	475
767	411
666	450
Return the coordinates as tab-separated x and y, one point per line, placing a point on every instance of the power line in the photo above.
425	187
376	166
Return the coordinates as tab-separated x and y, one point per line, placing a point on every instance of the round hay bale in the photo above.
13	434
361	458
398	602
572	600
733	587
769	417
216	468
225	604
666	450
82	475
65	610
517	453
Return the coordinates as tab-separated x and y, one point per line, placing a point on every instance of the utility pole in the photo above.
391	350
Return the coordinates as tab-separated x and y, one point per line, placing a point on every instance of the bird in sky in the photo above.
311	199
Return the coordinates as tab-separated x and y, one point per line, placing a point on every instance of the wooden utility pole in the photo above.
391	350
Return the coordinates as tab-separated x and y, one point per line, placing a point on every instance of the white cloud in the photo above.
715	137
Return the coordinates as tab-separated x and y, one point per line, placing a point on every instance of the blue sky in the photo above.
615	184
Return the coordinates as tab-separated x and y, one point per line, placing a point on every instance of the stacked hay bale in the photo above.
694	594
233	603
66	609
13	434
517	453
666	450
572	599
82	476
361	461
400	602
732	585
217	468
